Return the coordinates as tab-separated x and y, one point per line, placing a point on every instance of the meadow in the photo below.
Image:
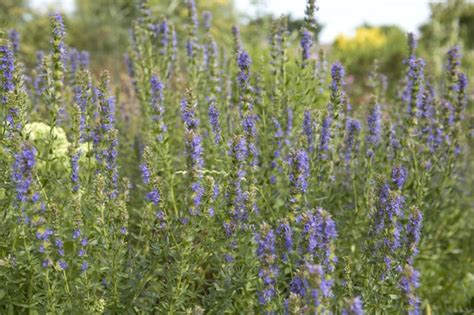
224	179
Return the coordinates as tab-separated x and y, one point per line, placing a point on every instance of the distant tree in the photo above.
386	44
12	12
451	23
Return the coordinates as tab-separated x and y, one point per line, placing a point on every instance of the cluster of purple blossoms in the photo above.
413	233
72	56
194	146
239	153
156	103
82	251
301	171
43	238
105	138
278	136
146	174
243	62
214	196
337	97
194	151
153	197
285	231
77	60
409	282
165	36
14	37
388	222
212	62
269	269
394	212
75	170
207	18
352	132
130	68
374	123
236	36
22	173
107	111
193	14
454	60
325	137
306	44
308	130
413	95
395	144
399	176
60	246
312	286
188	115
111	156
461	101
313	283
83	59
39	81
214	120
7	68
354	307
337	76
319	232
191	44
58	39
161	34
81	97
411	44
248	116
62	264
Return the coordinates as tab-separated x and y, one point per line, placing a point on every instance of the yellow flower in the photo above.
365	38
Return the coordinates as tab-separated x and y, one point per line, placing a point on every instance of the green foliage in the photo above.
383	45
221	177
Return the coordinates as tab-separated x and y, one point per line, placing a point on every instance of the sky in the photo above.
343	16
338	16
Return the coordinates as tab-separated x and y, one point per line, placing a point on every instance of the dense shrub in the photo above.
211	181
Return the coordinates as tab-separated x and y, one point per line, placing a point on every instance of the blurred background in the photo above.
354	32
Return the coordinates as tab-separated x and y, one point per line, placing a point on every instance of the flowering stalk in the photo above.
105	136
194	150
351	139
308	130
192	44
337	100
306	44
310	12
14	37
354	307
157	109
237	194
374	123
58	52
299	177
247	114
312	283
268	272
